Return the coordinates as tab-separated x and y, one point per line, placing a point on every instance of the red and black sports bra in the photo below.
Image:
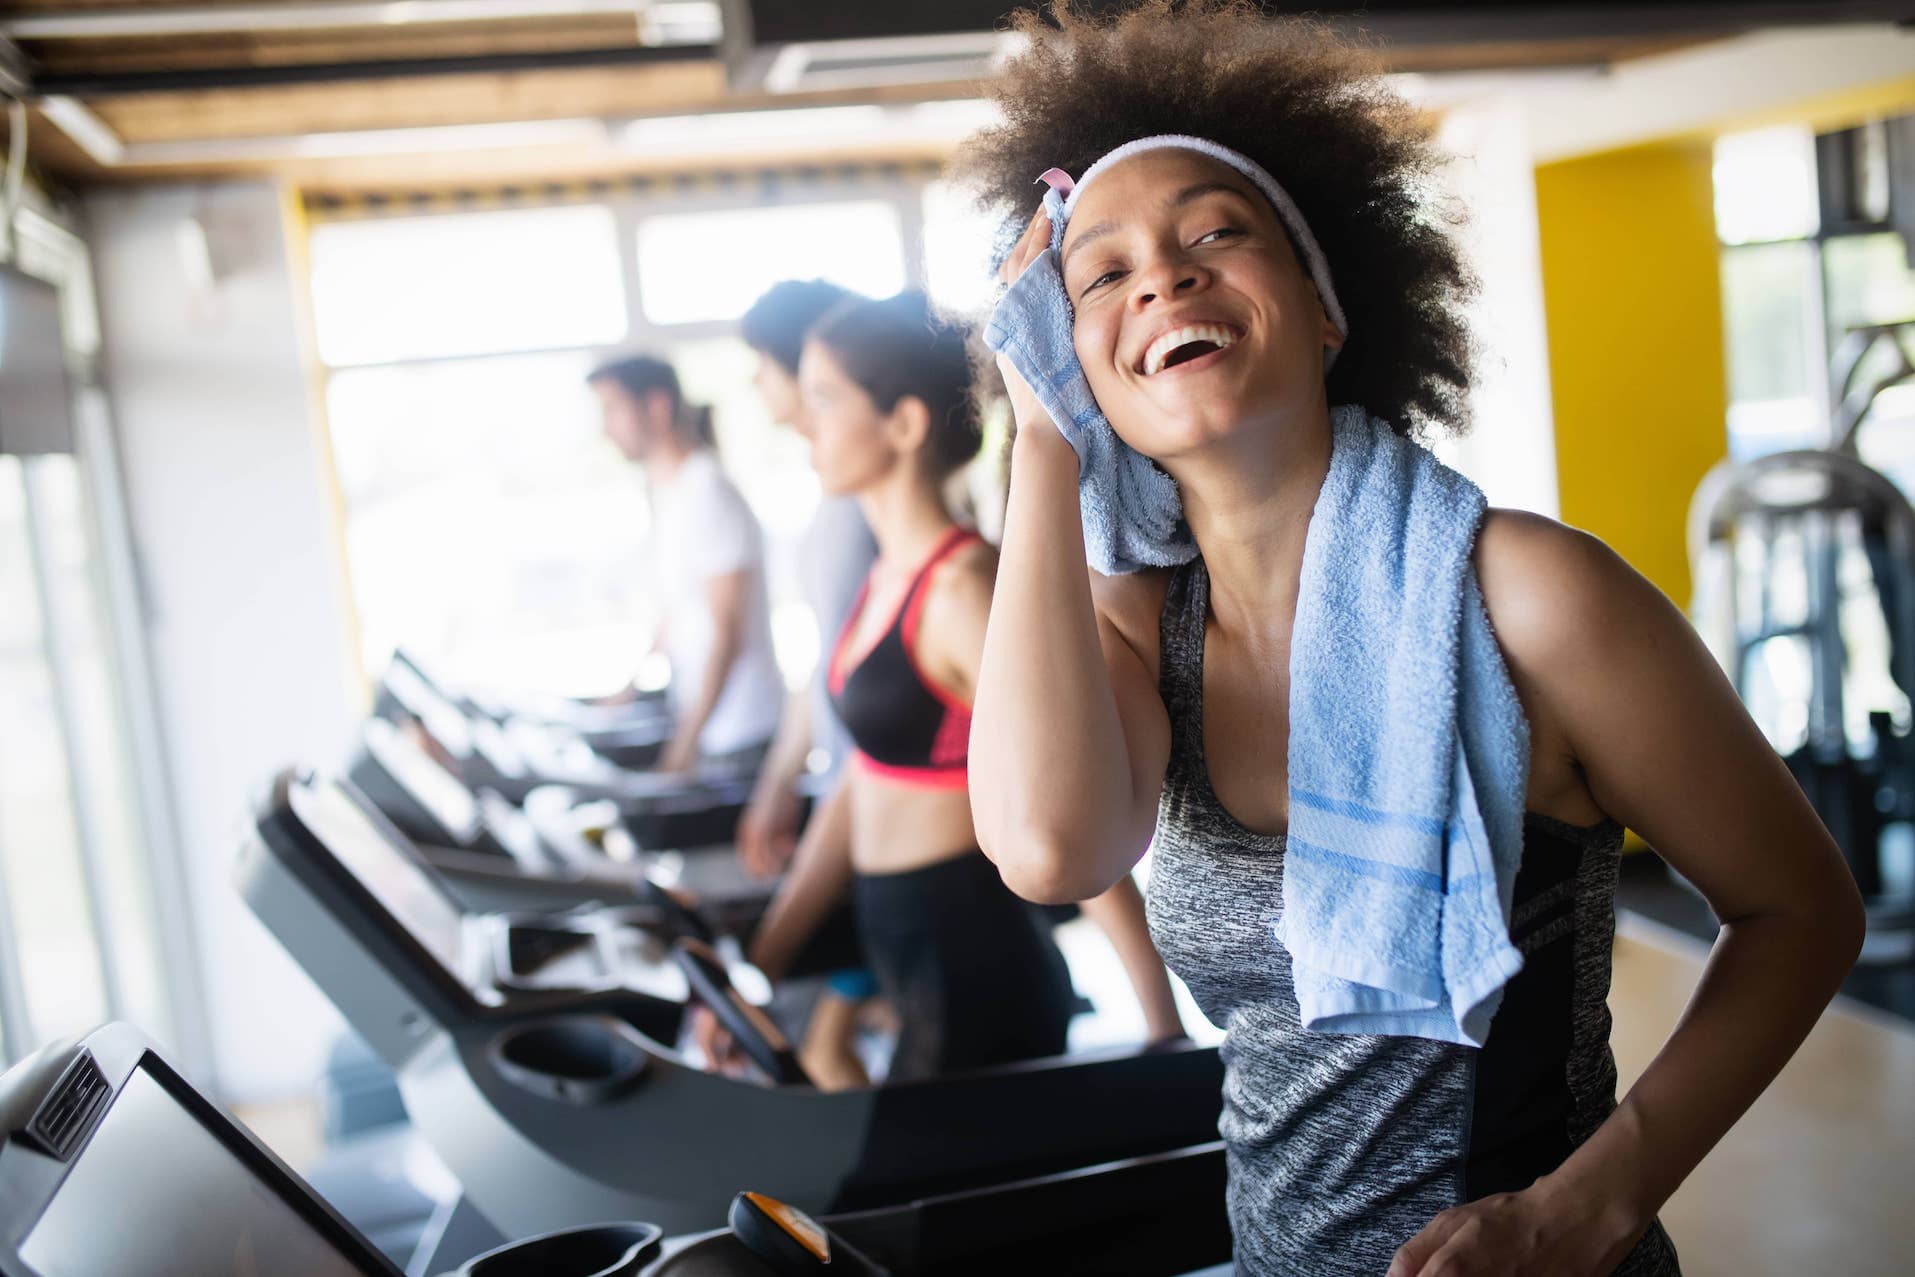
905	726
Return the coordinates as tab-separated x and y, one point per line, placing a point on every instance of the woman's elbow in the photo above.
1044	868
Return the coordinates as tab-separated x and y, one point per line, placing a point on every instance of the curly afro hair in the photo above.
1313	108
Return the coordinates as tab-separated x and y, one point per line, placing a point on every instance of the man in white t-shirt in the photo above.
707	553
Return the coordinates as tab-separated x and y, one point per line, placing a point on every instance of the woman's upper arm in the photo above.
1662	741
1127	609
954	622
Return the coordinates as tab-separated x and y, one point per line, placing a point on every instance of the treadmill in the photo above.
556	852
544	1098
629	733
513	756
111	1162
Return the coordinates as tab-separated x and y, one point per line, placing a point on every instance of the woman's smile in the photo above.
1186	344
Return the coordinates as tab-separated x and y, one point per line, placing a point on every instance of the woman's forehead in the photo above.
1151	182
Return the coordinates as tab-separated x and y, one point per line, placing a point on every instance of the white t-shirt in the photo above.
701	529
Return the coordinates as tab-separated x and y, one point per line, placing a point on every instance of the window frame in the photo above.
1827	231
49	251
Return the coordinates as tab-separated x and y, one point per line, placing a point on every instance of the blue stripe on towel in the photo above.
1365	868
1369	815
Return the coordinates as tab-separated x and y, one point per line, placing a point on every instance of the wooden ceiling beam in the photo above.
679	88
273	48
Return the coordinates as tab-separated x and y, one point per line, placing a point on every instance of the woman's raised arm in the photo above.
1069	738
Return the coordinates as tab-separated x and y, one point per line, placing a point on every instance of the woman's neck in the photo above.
1249	511
907	515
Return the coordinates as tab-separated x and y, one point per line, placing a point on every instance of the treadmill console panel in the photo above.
383	869
113	1163
441	796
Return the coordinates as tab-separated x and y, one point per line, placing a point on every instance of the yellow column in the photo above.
1634	305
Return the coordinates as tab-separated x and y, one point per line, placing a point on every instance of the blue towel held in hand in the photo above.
1132	515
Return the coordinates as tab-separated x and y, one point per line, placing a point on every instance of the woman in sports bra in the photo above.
971	970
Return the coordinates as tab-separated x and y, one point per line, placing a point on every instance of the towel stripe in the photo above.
1366	868
1369	815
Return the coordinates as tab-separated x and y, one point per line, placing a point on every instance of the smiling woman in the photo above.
1382	740
1258	87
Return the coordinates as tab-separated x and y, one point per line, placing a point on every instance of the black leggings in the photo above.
971	969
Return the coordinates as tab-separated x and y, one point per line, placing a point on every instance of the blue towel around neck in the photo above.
1409	752
1133	517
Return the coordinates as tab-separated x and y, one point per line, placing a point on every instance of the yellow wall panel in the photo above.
1632	294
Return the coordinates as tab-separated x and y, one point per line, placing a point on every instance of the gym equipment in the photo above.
630	733
114	1163
543	1100
111	1162
513	754
1804	564
559	850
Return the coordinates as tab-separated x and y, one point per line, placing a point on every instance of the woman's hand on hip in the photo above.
1546	1230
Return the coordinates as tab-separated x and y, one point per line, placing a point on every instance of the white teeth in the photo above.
1216	334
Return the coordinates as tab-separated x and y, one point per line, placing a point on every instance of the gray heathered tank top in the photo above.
1341	1147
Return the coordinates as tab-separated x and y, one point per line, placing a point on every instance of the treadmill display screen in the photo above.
444	796
156	1194
441	718
395	880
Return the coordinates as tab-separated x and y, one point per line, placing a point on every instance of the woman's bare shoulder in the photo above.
1544	582
958	592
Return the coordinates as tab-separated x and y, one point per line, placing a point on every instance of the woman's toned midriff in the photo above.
897	826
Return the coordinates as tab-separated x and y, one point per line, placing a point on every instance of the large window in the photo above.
488	524
1766	217
466	283
54	938
1808	259
88	872
705	267
958	242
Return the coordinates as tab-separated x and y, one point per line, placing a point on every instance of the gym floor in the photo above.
1815	1179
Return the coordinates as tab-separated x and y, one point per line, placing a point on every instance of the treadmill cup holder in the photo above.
578	1059
595	1250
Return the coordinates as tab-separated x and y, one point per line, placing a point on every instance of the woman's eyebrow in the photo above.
1195	191
1098	231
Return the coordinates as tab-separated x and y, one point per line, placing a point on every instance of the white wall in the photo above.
1511	450
1742	80
233	531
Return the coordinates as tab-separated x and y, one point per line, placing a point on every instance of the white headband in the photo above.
1286	208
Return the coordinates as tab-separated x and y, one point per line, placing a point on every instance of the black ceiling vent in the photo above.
67	1114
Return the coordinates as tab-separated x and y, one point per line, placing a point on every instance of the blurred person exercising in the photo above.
838	550
972	971
707	552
